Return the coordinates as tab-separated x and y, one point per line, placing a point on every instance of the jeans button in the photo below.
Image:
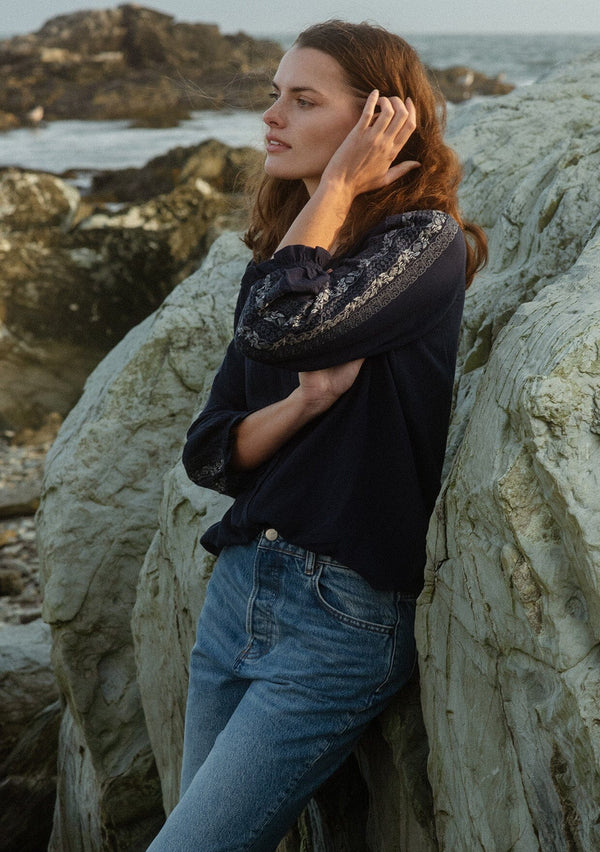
271	534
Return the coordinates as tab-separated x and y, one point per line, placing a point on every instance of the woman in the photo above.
327	422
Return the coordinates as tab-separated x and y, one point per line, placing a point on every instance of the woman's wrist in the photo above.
307	405
320	220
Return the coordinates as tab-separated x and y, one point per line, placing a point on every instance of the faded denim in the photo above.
295	655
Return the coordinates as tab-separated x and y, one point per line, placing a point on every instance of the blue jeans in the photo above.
295	655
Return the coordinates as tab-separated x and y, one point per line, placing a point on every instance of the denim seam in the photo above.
298	554
249	608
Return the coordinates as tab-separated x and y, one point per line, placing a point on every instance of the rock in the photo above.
460	83
88	815
28	779
29	715
125	433
212	161
507	625
27	684
68	294
538	215
131	63
170	595
21	468
223	167
20	500
393	761
11	582
29	201
8	121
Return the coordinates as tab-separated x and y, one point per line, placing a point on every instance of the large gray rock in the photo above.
507	625
531	164
96	521
170	595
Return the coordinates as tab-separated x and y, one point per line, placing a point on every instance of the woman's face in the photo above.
313	111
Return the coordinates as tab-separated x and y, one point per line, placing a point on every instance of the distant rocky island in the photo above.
142	65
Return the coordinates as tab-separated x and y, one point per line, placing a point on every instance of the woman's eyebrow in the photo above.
297	89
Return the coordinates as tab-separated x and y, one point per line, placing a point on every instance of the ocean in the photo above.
90	146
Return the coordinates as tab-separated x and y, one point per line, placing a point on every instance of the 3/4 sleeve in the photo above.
305	311
207	451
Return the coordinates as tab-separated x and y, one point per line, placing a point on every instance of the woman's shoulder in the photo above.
412	235
412	223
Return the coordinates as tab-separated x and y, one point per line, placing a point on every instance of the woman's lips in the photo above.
275	146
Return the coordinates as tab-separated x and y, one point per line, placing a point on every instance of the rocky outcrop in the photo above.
509	619
125	433
140	64
73	284
131	63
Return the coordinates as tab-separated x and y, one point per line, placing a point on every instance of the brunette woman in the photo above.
327	423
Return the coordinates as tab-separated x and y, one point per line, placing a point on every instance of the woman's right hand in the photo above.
364	160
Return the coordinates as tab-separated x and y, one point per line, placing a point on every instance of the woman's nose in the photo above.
273	116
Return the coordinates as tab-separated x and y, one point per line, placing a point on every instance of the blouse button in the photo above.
271	534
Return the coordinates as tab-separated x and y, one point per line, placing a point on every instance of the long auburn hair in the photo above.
373	58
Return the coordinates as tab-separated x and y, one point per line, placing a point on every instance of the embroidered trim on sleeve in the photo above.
403	257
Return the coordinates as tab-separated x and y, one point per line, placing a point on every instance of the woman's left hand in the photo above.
363	161
319	389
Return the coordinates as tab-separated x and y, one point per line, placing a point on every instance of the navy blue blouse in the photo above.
359	482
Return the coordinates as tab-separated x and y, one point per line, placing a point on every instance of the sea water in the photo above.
87	146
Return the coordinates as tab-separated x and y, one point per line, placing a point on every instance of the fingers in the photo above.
401	169
386	125
400	116
368	113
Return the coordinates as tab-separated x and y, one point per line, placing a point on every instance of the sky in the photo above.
260	17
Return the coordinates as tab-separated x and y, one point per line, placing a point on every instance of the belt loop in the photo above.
309	563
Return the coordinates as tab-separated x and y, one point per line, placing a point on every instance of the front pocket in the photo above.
349	598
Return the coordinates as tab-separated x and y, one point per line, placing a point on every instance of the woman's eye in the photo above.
273	96
301	102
